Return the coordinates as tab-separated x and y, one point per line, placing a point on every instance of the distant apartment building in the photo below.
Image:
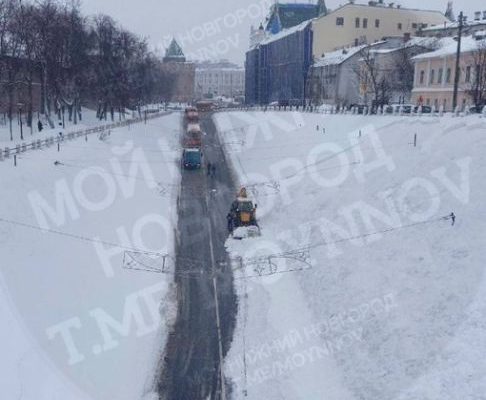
355	24
435	72
221	78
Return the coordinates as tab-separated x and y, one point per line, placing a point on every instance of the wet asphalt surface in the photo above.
191	369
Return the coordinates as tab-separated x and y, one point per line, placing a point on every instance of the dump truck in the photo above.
242	216
192	114
193	136
193	127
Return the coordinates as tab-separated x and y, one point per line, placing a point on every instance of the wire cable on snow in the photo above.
67	234
200	273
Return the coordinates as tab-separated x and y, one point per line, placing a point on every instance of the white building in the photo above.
221	78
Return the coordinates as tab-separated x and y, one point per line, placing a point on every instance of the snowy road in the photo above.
205	323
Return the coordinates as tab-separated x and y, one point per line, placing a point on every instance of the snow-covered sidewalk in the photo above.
89	121
387	298
86	318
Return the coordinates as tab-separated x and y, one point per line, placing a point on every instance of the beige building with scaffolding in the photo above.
356	24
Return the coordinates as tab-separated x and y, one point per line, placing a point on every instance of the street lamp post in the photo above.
458	62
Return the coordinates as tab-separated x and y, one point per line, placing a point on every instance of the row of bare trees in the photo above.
381	81
75	59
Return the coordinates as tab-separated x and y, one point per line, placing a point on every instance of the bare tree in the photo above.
372	80
477	87
404	70
10	51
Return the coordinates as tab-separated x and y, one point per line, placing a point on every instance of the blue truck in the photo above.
192	158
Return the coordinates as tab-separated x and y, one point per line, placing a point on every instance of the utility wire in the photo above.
86	167
66	234
451	216
198	273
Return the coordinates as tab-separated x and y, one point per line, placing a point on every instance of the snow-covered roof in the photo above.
285	32
452	25
448	47
212	69
338	56
430	43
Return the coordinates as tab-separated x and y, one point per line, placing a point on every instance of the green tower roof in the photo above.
174	52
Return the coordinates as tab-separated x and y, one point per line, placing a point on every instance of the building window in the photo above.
432	77
357	22
448	75
468	74
365	23
399	26
377	23
414	26
441	73
340	21
422	77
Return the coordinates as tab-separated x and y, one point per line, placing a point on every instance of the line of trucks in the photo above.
242	215
192	156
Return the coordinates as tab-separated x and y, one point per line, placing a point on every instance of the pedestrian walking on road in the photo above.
229	218
213	170
209	169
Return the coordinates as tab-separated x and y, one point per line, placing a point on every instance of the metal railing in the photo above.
20	148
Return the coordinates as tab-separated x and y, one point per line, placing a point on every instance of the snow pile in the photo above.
372	292
83	233
245	232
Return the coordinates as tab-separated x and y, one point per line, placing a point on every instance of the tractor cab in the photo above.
243	210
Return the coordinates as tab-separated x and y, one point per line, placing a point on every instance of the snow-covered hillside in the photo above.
391	303
77	324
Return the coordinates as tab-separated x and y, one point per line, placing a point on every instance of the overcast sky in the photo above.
216	28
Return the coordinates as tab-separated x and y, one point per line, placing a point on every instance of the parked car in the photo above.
476	109
425	109
395	108
360	108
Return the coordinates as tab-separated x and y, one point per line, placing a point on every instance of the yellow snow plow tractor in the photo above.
242	217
